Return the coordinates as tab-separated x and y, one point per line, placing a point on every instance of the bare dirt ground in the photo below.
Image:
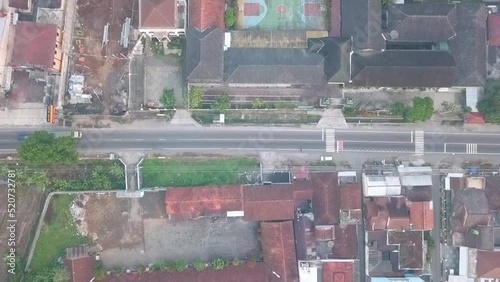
28	201
138	232
104	67
303	96
25	89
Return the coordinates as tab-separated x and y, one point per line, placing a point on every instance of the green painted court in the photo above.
282	14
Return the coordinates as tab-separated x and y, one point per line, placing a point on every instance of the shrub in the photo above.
284	105
251	263
120	270
168	98
230	17
199	265
99	271
422	109
141	268
175	43
350	112
180	266
171	266
195	98
235	262
258	103
219	264
398	109
221	103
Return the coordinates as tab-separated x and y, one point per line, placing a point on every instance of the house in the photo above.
487	265
167	17
494	30
361	20
38	46
381	185
475	118
80	264
207	14
421	215
204	55
330	270
480	237
268	202
387	214
23	6
492	188
278	245
470	209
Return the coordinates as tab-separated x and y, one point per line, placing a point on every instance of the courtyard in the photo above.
281	14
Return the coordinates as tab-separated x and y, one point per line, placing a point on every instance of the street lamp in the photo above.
272	271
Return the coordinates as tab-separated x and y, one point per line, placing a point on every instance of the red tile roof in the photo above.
81	269
335	19
300	172
350	197
338	271
494	29
377	216
34	44
157	13
422	216
324	233
242	273
346	241
19	4
268	202
487	264
326	199
198	200
204	14
278	245
476	118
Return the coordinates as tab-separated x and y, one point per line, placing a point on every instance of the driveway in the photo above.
163	72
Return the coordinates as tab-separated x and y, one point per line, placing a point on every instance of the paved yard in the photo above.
163	72
366	99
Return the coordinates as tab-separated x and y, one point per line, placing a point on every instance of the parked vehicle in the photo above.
73	134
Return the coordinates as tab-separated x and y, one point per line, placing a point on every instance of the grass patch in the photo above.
184	172
58	233
260	117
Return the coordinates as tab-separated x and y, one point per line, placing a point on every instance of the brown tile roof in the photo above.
481	237
34	44
338	271
422	216
410	248
324	233
268	202
335	18
470	208
326	199
350	197
487	264
204	14
377	216
242	273
388	213
198	200
346	241
157	13
305	242
278	244
300	172
81	269
493	192
494	29
19	4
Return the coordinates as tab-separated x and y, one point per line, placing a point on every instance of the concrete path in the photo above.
332	119
183	117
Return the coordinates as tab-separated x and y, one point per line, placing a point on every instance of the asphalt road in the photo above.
275	139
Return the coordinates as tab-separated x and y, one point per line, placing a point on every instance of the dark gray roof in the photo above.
421	22
273	66
362	20
469	46
204	55
403	69
337	51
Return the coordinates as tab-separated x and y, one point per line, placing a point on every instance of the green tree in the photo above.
195	98
60	275
235	262
222	103
230	17
180	266
168	98
258	103
490	105
43	148
398	109
117	170
219	264
422	110
199	264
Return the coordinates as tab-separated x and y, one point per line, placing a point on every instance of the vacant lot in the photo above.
271	117
59	232
137	232
176	172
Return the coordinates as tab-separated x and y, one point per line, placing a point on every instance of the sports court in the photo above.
282	14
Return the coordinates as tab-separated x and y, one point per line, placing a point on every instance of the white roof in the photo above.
307	274
464	261
416	180
415	169
346	173
472	96
456	278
